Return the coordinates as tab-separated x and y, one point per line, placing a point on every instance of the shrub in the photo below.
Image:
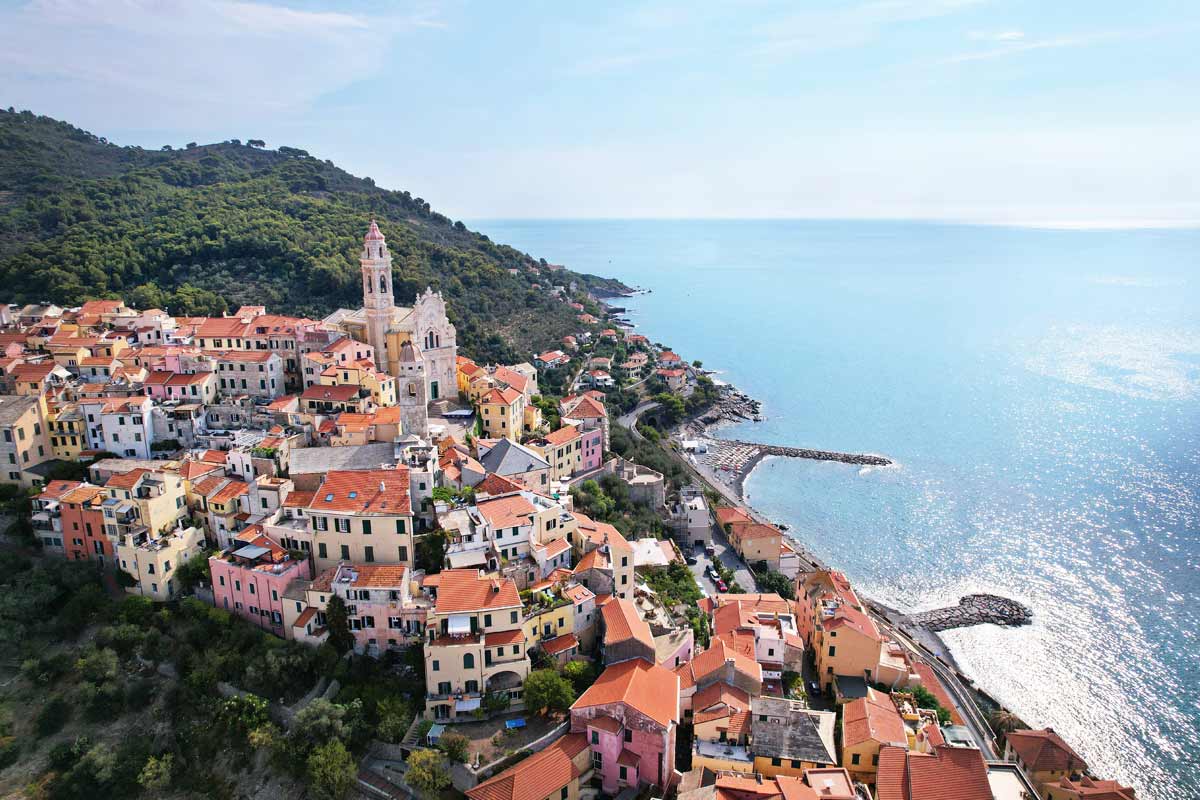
52	717
546	690
331	771
455	746
428	771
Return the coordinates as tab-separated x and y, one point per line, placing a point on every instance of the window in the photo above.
403	553
628	735
513	617
369	554
563	794
345	552
366	527
487	620
436	665
597	759
321	550
624	773
832	651
855	758
252	589
795	763
776	762
875	760
469	661
399	526
342	524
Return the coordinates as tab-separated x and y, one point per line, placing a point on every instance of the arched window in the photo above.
382	284
469	661
370	286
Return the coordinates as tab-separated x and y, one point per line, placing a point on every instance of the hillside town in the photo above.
630	629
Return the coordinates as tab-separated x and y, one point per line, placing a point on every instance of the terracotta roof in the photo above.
510	511
873	718
1045	750
930	681
1092	789
503	397
541	775
727	515
644	687
126	480
560	644
587	408
81	493
622	623
229	491
370	491
464	590
497	484
298	499
847	617
516	636
335	393
513	378
758	531
577	593
949	773
378	576
561	436
721	693
595	533
716	656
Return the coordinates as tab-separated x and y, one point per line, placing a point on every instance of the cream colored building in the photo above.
363	517
152	560
475	645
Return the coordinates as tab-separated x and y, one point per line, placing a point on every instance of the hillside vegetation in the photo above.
206	228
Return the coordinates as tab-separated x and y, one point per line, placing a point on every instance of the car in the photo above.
814	688
712	572
721	587
691	559
709	550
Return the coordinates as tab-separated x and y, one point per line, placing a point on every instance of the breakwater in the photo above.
974	609
815	455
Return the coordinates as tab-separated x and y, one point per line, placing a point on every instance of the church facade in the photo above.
417	345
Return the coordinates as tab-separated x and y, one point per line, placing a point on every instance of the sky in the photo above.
1073	112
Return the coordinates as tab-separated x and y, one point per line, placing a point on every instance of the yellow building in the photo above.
67	429
151	561
24	443
475	645
363	375
548	615
364	517
1045	758
563	451
502	414
868	724
143	498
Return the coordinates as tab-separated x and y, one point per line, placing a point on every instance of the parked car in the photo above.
721	587
814	688
689	558
710	550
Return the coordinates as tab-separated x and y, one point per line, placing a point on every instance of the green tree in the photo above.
546	690
338	621
431	551
155	777
196	570
775	582
581	674
331	771
428	772
455	746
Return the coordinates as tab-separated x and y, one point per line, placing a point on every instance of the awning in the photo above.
466	704
458	625
468	558
435	733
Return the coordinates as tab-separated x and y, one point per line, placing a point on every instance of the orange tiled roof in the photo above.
463	590
562	435
378	576
503	397
622	623
644	687
949	773
873	718
559	644
541	775
1045	750
371	491
510	511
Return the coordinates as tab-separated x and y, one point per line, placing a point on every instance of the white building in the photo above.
120	425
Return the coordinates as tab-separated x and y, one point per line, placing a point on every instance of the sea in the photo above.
1039	391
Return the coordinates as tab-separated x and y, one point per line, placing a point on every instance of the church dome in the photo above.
410	353
373	233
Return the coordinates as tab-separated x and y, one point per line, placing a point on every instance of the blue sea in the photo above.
1039	391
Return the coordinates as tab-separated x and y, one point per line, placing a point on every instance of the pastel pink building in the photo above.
250	577
382	611
199	387
630	715
593	449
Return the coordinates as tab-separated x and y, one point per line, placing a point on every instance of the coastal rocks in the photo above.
863	459
975	609
731	406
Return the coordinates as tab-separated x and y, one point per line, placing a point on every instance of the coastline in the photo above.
731	484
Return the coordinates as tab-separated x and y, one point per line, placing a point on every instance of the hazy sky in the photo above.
998	110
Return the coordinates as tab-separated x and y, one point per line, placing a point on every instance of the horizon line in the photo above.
1081	225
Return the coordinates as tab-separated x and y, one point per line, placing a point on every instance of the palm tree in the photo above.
1004	721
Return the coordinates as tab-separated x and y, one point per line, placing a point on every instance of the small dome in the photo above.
373	234
410	353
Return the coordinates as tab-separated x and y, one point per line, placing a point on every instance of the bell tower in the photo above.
378	302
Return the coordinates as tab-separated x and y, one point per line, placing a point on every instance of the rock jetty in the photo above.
731	406
864	459
975	609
